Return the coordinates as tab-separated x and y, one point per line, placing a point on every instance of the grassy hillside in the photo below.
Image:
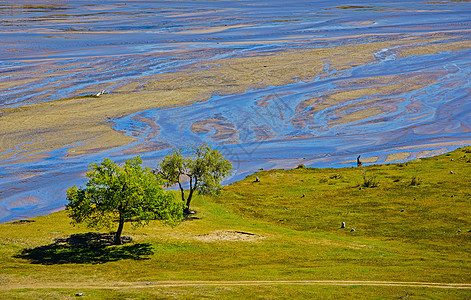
284	229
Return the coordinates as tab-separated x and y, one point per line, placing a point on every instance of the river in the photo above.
311	82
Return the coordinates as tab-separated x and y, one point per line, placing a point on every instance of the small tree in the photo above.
204	168
120	194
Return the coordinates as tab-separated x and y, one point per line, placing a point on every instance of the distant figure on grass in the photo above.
358	161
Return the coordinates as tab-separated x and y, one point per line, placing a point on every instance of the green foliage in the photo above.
128	193
204	168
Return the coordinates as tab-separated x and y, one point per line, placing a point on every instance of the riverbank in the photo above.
282	234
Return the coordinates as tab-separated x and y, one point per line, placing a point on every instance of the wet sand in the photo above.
270	86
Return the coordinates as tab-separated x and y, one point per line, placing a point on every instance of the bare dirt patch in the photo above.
228	235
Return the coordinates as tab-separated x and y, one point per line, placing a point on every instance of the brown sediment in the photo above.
224	130
29	174
264	102
302	119
367	160
205	30
342	116
78	30
152	130
12	83
367	109
199	13
372	82
442	145
414	107
370	160
82	123
263	133
299	136
146	147
362	23
420	117
29	200
378	93
31	157
397	156
101	141
427	153
434	48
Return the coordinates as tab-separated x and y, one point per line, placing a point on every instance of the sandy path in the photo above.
134	285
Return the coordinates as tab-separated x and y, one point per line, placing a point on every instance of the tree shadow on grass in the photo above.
87	248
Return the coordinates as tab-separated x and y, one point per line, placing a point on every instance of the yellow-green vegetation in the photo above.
279	237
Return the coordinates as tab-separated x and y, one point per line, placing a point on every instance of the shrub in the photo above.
369	181
323	180
415	181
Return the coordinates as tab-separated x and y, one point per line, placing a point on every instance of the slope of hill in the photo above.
279	237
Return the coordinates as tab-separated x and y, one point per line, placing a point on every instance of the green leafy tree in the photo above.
204	168
127	193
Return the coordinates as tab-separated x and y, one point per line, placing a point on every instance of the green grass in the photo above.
241	292
403	232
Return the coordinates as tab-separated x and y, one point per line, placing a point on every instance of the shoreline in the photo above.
440	151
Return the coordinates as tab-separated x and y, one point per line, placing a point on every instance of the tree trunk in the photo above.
183	192
189	200
117	237
192	189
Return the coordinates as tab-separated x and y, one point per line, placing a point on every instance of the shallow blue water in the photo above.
65	49
112	41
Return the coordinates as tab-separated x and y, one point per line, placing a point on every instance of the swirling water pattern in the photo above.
410	99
